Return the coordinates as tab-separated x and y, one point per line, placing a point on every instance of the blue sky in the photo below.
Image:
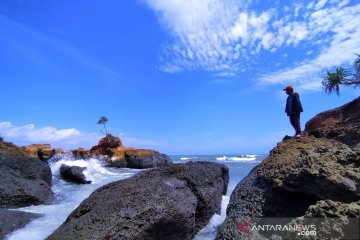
178	76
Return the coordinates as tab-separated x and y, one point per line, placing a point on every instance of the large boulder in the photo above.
110	141
144	158
304	180
106	145
334	220
117	155
341	124
321	168
24	180
171	202
73	174
297	174
11	220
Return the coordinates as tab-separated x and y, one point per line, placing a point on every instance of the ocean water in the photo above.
68	195
239	166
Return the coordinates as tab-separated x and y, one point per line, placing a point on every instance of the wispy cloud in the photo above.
343	43
65	138
199	29
222	36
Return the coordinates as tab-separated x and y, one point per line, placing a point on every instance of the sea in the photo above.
68	195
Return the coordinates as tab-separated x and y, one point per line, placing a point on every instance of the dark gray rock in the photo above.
341	124
297	174
171	202
11	220
142	162
333	220
24	181
73	174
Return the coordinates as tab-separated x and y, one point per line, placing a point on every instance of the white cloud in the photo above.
65	138
320	4
341	49
310	5
201	32
222	35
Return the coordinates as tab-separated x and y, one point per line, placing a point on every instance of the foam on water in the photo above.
188	158
211	229
244	158
67	196
94	169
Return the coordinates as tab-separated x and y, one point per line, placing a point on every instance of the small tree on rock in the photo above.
103	120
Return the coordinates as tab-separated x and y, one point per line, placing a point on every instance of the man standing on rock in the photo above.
293	109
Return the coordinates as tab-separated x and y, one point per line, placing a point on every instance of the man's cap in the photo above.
288	88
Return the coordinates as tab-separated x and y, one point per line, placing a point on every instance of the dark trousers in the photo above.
295	122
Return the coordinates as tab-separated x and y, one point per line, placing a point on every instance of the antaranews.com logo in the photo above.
302	230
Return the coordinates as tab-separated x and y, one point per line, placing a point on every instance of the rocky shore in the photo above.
111	149
308	181
172	202
24	181
316	177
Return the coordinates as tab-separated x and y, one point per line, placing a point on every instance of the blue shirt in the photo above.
289	103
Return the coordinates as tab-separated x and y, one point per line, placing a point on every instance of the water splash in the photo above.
67	195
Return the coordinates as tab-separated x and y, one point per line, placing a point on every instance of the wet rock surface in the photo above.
73	174
171	202
11	220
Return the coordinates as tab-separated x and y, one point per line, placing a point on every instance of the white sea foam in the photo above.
94	169
211	229
244	158
188	158
68	196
